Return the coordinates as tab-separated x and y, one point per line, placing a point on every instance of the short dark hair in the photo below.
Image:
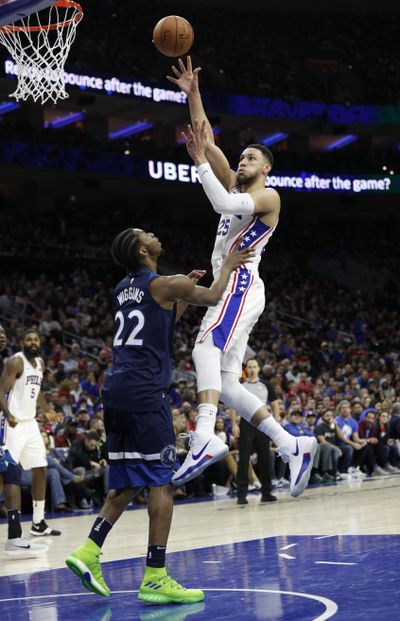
252	359
266	152
124	250
30	331
92	435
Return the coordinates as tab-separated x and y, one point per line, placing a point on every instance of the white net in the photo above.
39	45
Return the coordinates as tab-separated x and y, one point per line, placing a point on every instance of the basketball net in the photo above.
39	45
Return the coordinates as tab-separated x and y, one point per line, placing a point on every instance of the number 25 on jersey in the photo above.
223	227
136	318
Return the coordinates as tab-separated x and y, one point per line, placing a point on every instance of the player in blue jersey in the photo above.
140	435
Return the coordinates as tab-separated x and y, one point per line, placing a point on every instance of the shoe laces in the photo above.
167	580
96	569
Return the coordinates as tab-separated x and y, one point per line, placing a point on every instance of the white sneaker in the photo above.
378	472
204	451
345	476
254	486
357	473
22	548
300	463
389	469
283	482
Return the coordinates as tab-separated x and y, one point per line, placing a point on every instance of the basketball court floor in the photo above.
333	553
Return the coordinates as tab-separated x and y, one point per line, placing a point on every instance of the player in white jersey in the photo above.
248	211
20	393
16	546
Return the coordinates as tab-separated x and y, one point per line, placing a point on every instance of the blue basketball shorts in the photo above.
141	447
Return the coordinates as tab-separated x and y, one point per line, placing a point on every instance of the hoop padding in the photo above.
39	45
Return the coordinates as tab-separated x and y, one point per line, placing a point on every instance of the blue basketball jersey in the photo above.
142	347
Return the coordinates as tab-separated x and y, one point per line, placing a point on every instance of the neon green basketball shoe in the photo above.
85	563
159	588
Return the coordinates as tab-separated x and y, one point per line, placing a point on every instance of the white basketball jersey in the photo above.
25	391
254	232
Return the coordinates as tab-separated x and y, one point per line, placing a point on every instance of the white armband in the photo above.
220	199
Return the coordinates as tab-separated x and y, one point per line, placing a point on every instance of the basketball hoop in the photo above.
39	44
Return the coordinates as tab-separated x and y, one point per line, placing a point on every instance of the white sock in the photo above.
207	414
278	434
38	511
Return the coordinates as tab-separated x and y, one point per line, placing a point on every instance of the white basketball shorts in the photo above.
232	320
26	444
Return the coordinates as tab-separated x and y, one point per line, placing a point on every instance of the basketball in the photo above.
173	36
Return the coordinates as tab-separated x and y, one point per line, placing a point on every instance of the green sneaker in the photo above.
85	563
159	588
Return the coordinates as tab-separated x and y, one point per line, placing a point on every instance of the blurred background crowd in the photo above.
329	352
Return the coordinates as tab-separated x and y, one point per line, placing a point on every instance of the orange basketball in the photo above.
173	36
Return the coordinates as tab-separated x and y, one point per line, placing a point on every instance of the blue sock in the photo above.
156	556
100	530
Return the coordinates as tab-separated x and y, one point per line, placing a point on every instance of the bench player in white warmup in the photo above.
249	211
20	385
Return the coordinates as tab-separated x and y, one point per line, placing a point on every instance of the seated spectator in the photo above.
89	385
75	388
328	431
389	443
84	453
371	431
363	457
394	426
68	433
83	418
67	362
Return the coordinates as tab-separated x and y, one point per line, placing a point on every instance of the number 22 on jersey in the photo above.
136	318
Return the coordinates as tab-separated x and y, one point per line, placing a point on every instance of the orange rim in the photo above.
64	4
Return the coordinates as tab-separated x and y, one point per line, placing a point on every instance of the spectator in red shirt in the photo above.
69	435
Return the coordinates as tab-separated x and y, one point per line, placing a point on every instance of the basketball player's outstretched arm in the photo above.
170	289
187	80
262	202
13	368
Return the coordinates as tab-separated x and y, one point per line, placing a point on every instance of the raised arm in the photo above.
262	202
187	80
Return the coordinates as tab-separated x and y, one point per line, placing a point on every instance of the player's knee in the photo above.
230	383
207	359
236	396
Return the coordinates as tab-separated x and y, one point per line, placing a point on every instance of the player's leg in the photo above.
299	452
32	456
85	560
39	483
205	447
264	466
157	586
16	546
246	442
221	328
